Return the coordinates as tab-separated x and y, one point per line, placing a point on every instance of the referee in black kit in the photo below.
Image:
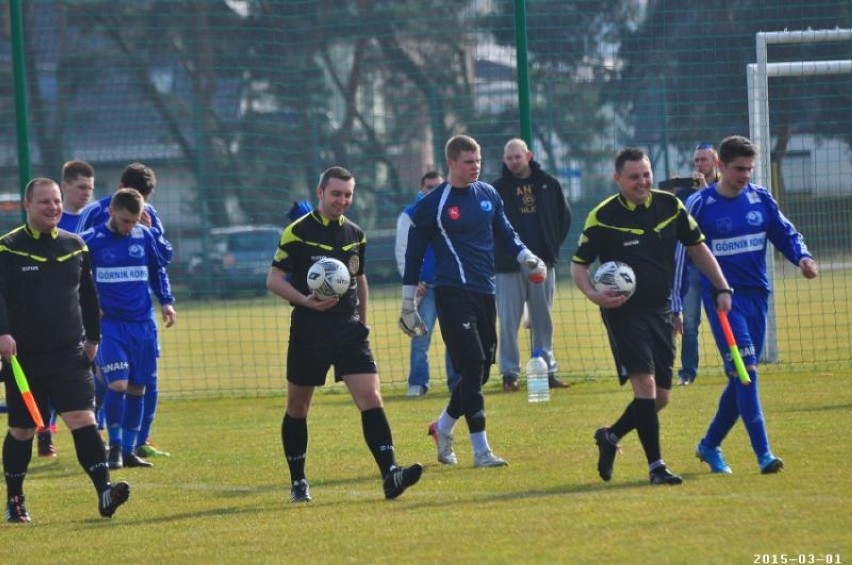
330	331
48	302
641	226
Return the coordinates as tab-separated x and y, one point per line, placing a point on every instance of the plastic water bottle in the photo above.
538	389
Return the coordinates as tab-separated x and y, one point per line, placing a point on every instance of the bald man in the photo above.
536	208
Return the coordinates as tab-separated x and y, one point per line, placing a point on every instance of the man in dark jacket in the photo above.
537	209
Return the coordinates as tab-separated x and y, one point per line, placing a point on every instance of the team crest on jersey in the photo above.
486	205
754	218
354	264
724	225
454	213
108	256
136	251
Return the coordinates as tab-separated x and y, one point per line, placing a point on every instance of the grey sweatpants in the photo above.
513	291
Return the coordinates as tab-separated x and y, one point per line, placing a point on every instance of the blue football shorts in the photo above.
128	351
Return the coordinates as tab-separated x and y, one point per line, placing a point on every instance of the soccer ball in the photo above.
615	276
328	277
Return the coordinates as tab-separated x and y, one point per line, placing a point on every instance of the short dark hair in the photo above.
139	176
73	169
735	146
127	199
334	173
429	175
628	154
38	181
458	144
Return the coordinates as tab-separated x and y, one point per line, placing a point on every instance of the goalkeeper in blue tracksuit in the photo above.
125	263
461	218
738	218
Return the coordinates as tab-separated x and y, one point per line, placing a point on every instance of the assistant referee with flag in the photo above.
48	302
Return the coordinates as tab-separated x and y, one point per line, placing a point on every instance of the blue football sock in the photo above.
100	392
752	413
726	416
132	421
149	410
114	414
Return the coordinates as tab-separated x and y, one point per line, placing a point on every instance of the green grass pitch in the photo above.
223	495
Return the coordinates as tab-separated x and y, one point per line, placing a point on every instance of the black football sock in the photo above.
16	459
294	438
625	424
377	432
648	427
471	397
91	455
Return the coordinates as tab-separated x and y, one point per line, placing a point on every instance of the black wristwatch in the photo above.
724	291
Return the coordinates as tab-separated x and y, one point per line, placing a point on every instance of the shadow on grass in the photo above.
824	408
284	486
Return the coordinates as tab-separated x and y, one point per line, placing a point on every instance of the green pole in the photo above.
523	72
20	82
436	120
665	127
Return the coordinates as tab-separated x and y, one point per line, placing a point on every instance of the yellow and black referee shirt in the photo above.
643	236
48	299
313	237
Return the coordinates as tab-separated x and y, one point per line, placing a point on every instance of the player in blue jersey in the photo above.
143	179
461	219
78	186
125	263
738	218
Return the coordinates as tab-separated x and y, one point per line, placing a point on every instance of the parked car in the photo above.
11	212
237	260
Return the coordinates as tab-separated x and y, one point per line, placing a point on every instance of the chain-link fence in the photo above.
238	105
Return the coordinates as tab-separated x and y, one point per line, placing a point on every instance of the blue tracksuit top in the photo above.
461	224
123	268
736	231
97	213
427	270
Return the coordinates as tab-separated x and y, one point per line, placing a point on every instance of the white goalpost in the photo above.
758	103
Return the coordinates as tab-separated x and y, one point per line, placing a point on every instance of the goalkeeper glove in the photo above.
409	319
537	270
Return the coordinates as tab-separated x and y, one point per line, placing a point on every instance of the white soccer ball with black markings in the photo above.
328	277
615	276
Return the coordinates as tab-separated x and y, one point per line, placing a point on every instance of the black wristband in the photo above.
724	291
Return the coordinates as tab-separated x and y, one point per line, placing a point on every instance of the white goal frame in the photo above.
758	75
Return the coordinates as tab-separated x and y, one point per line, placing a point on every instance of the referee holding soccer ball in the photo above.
641	226
326	331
